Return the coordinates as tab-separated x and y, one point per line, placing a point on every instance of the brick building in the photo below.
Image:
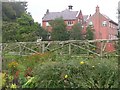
69	16
104	27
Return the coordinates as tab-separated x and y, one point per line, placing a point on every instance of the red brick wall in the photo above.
102	32
49	28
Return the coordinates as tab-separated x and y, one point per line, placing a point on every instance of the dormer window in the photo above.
104	23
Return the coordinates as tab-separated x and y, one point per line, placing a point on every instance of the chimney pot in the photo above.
47	11
97	9
70	7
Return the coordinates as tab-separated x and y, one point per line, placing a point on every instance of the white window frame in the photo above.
47	24
70	23
82	26
91	23
104	23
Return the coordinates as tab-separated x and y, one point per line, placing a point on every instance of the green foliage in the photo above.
6	80
12	10
9	31
25	19
118	47
65	71
41	32
77	73
20	31
27	28
18	25
30	83
76	34
59	31
89	33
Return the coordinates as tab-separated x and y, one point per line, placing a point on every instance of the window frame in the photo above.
91	23
70	23
104	23
47	24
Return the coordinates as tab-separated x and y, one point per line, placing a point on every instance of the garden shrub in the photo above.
80	74
52	70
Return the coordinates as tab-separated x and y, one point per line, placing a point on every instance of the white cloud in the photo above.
38	7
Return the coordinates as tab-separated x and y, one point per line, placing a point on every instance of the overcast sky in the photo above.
38	8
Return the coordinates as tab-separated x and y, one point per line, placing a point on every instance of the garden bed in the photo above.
50	70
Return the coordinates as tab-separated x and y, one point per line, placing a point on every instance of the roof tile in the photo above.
66	15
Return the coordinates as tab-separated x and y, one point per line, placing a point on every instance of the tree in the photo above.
9	31
59	31
13	10
18	25
10	12
27	28
76	33
118	45
41	32
89	33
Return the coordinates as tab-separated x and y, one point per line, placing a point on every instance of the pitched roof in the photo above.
66	15
110	20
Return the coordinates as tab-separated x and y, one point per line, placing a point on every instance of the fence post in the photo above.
20	49
43	47
101	50
88	47
69	48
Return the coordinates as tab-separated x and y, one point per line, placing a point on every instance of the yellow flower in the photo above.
28	77
93	49
13	86
82	62
3	75
66	76
13	64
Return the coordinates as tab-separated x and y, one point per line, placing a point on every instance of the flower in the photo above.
66	76
3	75
93	48
13	64
82	62
93	66
28	77
13	86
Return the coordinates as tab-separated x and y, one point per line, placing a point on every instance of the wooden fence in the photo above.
63	47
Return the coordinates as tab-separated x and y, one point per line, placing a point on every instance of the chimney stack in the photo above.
97	9
70	7
47	11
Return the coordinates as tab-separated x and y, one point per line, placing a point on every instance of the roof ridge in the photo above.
106	16
66	14
54	12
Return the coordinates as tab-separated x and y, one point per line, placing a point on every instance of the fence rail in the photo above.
68	47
